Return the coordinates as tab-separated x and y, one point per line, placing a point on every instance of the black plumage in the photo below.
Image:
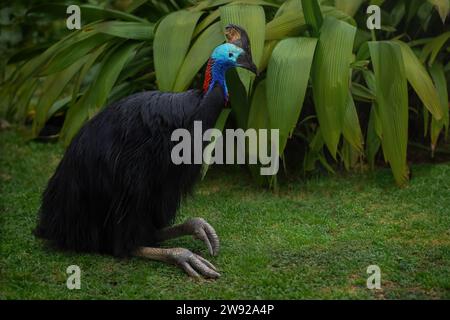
116	184
116	190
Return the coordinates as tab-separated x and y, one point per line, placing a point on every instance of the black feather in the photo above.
116	184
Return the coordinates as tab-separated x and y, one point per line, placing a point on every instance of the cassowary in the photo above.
116	190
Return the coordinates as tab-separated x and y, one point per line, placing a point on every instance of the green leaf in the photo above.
437	72
206	22
412	7
127	30
238	98
362	93
58	105
421	81
33	66
95	97
109	72
392	103
27	53
349	155
313	15
315	153
433	47
52	88
73	53
443	7
373	140
332	12
91	59
292	23
289	6
135	4
220	124
208	4
89	12
350	7
258	117
171	43
331	77
351	128
287	24
198	55
287	80
24	98
268	49
360	65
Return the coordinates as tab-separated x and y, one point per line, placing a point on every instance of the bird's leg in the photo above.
193	264
198	228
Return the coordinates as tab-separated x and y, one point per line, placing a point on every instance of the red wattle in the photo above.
207	80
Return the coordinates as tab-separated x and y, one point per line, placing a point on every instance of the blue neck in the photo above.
216	75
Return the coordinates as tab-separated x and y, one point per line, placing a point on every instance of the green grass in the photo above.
315	239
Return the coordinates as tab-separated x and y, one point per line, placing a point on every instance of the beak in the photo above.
245	61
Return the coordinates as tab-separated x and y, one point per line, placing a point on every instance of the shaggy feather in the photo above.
116	184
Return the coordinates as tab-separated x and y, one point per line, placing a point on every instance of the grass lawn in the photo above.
315	239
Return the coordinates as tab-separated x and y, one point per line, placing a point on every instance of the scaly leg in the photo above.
198	228
194	265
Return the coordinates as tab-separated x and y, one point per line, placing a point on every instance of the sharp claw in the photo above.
212	237
202	235
209	264
194	265
203	268
189	270
203	231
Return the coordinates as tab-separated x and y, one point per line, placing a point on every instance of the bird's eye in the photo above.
230	54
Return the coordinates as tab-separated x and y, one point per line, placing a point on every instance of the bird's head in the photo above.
236	52
230	55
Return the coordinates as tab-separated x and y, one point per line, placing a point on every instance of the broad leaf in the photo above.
288	24
171	43
73	53
33	66
95	97
52	88
89	12
443	7
350	7
239	99
127	30
373	140
258	118
287	80
220	124
392	103
206	22
198	55
421	81
207	4
433	47
351	128
437	72
331	77
313	15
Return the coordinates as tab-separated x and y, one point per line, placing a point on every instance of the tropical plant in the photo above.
325	79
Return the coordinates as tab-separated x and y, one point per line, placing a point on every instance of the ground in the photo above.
314	239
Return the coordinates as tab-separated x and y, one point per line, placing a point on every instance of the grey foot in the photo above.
193	264
202	230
